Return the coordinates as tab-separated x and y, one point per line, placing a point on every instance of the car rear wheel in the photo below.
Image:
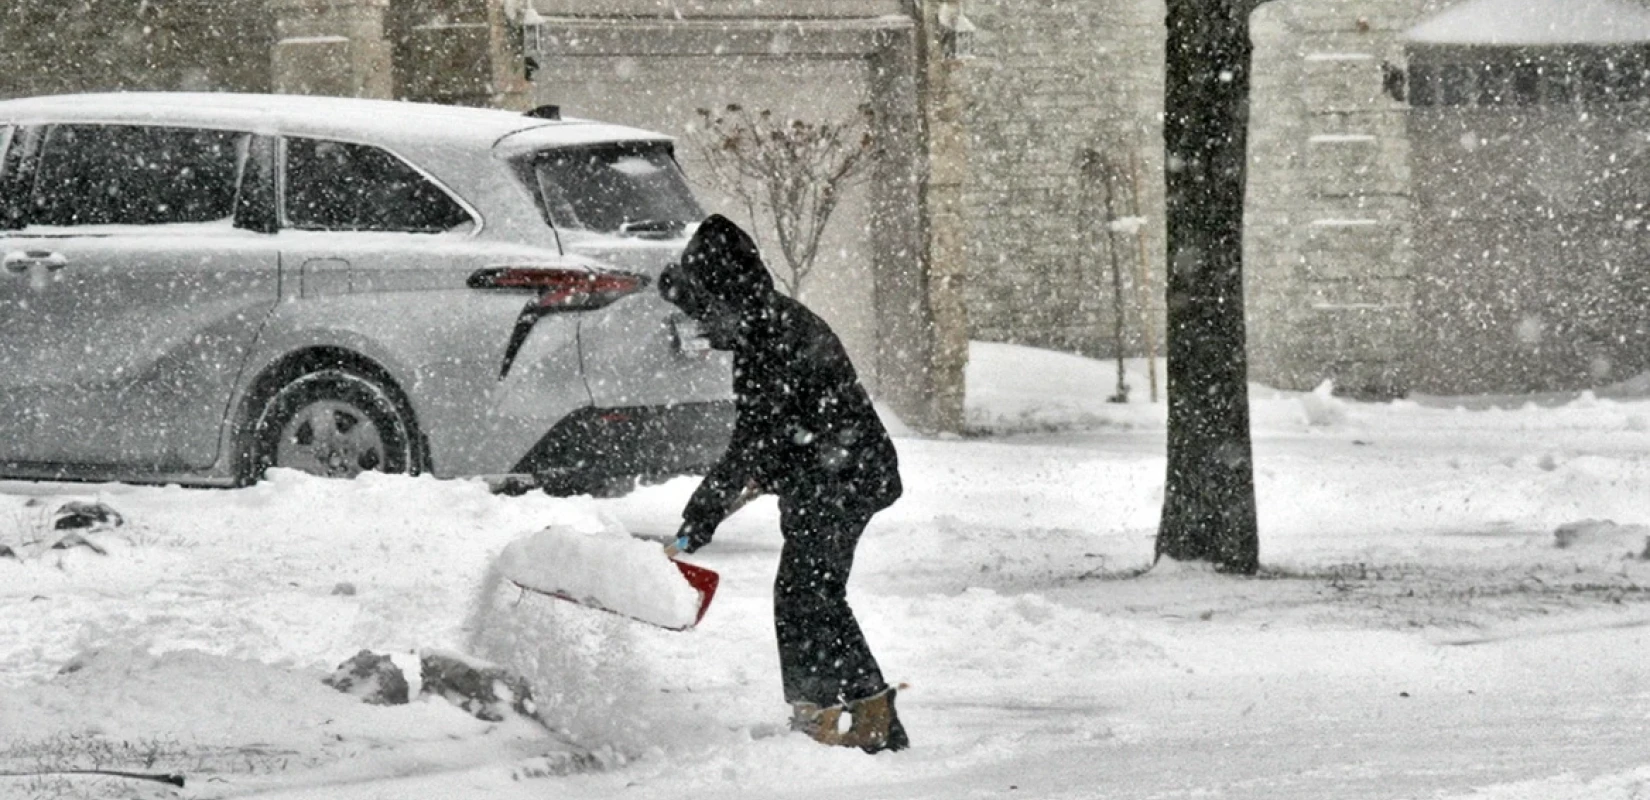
335	423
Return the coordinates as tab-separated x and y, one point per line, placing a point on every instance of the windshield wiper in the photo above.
652	226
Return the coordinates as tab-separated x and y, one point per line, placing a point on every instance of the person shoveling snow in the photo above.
807	432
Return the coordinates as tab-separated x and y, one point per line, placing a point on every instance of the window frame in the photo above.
1511	77
38	137
526	167
8	135
282	187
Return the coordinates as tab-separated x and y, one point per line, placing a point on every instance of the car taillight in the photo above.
558	290
561	289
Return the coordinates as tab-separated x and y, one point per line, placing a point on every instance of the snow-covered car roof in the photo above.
388	121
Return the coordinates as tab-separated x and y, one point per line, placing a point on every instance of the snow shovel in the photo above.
611	572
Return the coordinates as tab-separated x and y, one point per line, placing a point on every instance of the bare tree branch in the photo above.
794	170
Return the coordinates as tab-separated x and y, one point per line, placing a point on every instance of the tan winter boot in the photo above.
822	724
876	725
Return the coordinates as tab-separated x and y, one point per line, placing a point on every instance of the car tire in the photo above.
335	423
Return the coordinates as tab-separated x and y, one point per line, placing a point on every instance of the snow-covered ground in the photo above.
1454	605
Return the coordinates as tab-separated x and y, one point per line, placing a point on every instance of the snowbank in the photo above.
604	569
1419	630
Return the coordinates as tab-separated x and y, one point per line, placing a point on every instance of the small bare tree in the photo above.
793	170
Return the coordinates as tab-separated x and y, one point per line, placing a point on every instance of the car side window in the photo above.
340	186
135	175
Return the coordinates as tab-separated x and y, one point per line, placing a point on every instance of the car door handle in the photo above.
22	260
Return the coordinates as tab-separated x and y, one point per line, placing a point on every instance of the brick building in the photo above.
1420	223
1018	196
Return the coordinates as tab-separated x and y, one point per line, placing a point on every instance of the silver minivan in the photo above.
197	287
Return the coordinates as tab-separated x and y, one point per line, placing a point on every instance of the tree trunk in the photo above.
1209	496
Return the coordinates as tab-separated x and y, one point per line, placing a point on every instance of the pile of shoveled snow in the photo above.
226	722
197	635
605	569
129	694
1629	540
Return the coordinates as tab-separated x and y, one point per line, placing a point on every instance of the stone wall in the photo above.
458	52
1061	102
1328	251
1530	176
720	9
338	48
53	46
1064	117
883	275
453	51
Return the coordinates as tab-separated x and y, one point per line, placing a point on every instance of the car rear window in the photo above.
614	188
340	186
134	175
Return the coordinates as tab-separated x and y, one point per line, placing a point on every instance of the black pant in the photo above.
823	656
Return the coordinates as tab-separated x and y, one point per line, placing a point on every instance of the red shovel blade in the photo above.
703	580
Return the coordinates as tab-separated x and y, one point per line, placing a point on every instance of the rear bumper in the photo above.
593	446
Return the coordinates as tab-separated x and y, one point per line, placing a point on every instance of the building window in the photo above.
1493	78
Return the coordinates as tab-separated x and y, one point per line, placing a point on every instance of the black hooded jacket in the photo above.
805	427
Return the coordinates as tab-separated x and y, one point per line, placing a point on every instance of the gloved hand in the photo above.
689	537
677	546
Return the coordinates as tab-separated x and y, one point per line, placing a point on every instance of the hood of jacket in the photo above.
721	260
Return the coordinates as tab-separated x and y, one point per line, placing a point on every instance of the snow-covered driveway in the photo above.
1418	632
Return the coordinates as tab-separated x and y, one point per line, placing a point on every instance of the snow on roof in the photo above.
1537	22
314	116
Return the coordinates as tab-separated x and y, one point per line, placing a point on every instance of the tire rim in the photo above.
331	438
